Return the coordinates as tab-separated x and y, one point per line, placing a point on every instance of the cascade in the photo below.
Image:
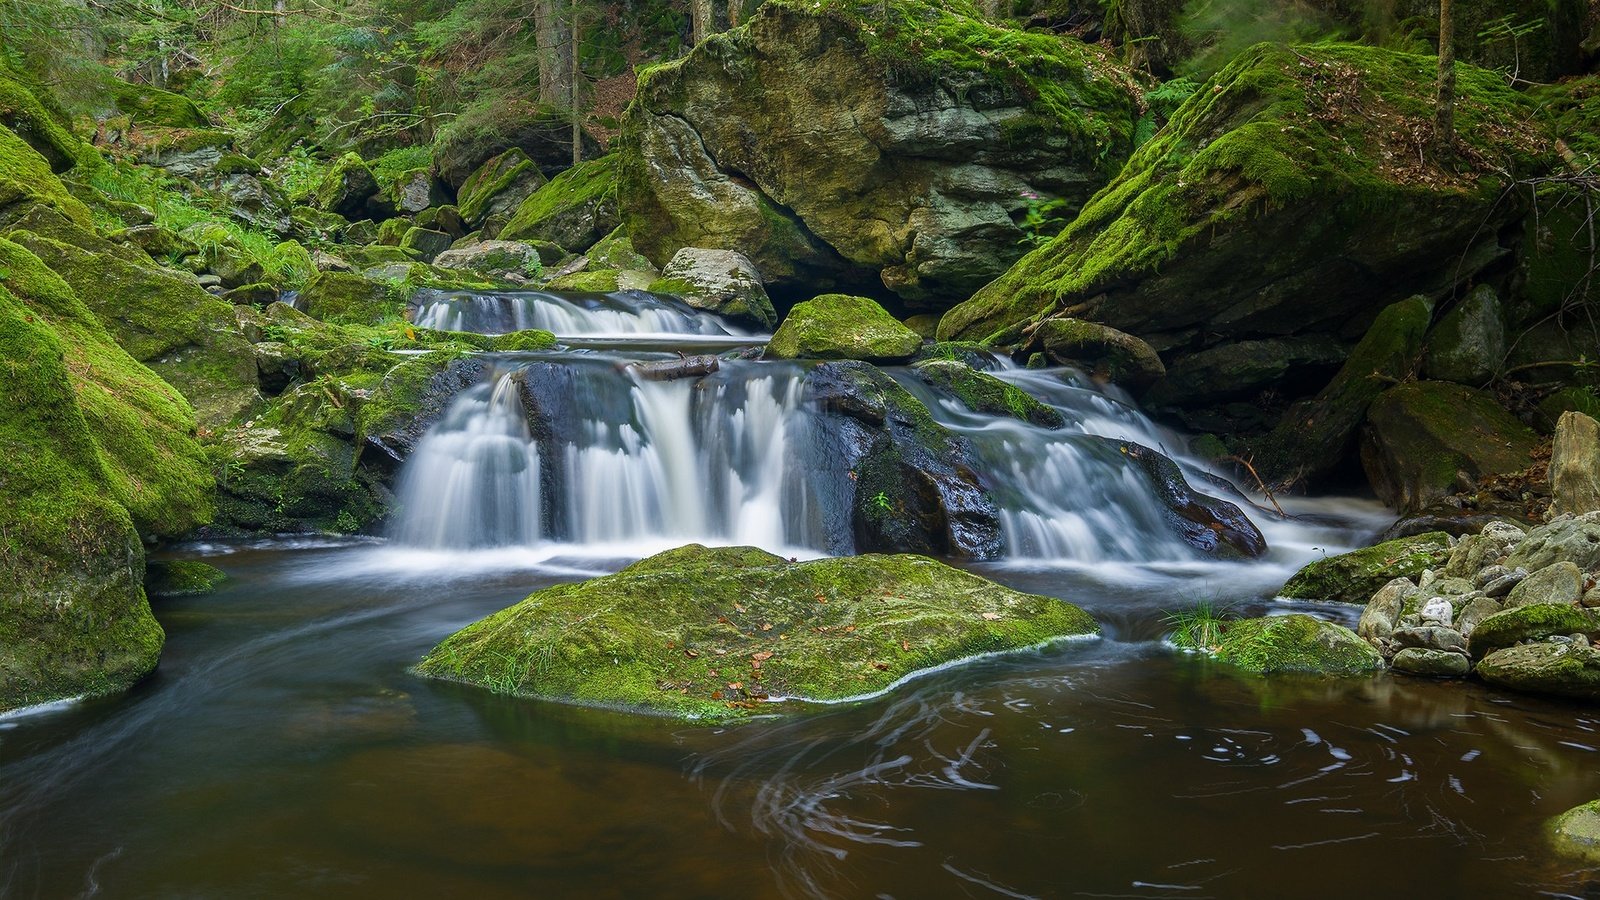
576	448
633	313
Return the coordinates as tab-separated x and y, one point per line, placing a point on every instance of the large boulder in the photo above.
574	210
34	124
1296	644
1429	439
1563	668
1469	343
1216	528
95	452
503	260
715	634
498	187
910	485
350	189
1355	576
147	105
839	326
1105	353
1250	214
721	281
836	149
1575	465
1574	539
1531	623
347	298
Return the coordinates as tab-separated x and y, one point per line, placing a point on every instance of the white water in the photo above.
631	313
607	462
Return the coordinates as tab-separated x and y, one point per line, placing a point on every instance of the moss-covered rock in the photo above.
26	180
574	210
839	326
1430	439
181	578
1576	832
1318	434
424	243
349	299
148	105
489	128
834	148
1469	343
1279	645
986	394
494	259
414	191
498	187
1106	353
721	281
1286	196
1355	576
25	117
165	320
1558	668
351	190
717	634
1531	623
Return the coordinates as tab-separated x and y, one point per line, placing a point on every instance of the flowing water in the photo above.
283	748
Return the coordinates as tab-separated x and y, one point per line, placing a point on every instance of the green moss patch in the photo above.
1355	576
839	326
987	394
1300	644
575	210
717	634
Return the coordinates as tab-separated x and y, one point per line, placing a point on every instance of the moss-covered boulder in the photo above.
721	281
983	393
1278	645
425	244
1531	623
1561	668
719	634
181	578
347	298
350	189
1256	210
496	124
27	181
839	326
1430	439
1105	353
498	187
1215	528
415	190
1355	576
1469	343
835	148
25	117
574	210
149	105
164	320
1576	832
499	260
1318	434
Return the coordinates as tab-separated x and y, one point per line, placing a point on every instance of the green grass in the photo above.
1198	628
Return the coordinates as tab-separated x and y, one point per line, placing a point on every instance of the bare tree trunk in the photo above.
577	89
734	8
554	42
703	14
1444	126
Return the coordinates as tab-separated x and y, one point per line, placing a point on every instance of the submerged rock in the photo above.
1576	832
181	578
1278	645
839	326
719	634
984	393
1356	576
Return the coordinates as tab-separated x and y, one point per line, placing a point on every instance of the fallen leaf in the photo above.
722	620
880	666
716	695
738	608
691	653
736	685
849	628
755	665
766	626
764	654
992	616
906	646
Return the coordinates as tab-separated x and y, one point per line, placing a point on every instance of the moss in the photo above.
839	326
346	298
588	281
147	105
713	634
164	320
1296	644
24	116
26	178
162	143
987	394
1355	576
524	341
1327	127
575	210
182	578
484	193
1533	622
1576	832
347	186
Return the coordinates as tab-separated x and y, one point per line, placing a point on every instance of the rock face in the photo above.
1575	465
94	450
1430	439
719	281
1296	644
715	634
1105	353
1355	576
1248	218
912	485
838	326
835	151
1468	344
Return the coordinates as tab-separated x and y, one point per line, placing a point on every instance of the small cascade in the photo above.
473	480
626	313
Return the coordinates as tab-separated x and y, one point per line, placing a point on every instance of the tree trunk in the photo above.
703	14
554	42
1444	125
577	89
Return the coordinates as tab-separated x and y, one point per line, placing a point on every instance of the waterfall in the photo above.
631	313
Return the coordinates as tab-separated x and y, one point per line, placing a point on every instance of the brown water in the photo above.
284	750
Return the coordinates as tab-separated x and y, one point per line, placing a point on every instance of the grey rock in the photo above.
1485	576
1469	343
1546	667
1575	539
1473	612
1560	582
1379	619
1486	548
721	281
1575	465
1503	584
1432	637
1436	663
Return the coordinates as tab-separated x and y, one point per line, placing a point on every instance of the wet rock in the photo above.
1426	440
1469	343
986	394
1433	637
1560	669
1575	539
181	578
1105	353
1474	611
1526	623
1355	576
674	369
1486	548
711	634
1241	371
492	259
1296	644
1575	465
1216	528
1560	582
838	326
726	283
1576	832
1383	613
912	483
1434	663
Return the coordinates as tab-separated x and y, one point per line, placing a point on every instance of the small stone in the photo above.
1437	663
1592	598
1489	574
1502	586
1437	611
1432	637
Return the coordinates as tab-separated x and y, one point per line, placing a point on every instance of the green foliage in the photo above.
401	160
1199	627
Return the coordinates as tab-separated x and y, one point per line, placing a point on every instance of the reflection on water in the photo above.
283	750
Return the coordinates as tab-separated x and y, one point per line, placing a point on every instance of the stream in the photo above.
284	749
